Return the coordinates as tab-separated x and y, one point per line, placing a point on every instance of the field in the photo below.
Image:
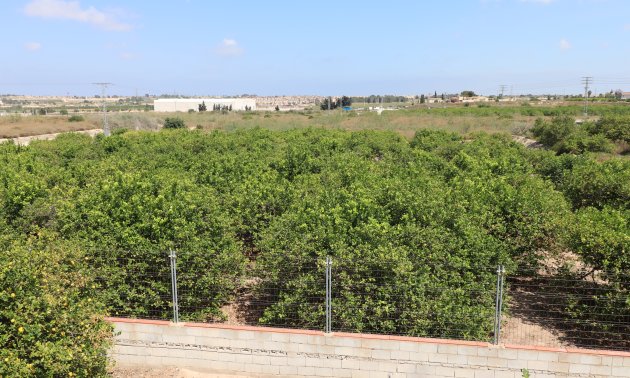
416	207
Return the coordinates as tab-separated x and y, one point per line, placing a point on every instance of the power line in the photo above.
105	123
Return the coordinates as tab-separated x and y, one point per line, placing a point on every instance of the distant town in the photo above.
43	105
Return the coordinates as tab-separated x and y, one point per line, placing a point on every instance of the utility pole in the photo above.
503	87
103	93
586	80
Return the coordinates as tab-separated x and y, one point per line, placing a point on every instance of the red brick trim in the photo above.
370	336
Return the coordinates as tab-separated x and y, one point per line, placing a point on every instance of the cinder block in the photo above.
323	372
427	348
418	356
464	373
368	365
442	371
150	337
316	340
170	338
345	351
601	370
342	373
457	359
278	360
626	361
287	370
570	358
298	338
484	373
425	370
529	355
488	352
559	367
153	361
508	354
477	361
281	337
380	354
360	374
275	346
380	344
226	356
344	341
307	348
350	364
620	372
409	346
466	350
399	355
211	341
590	359
617	361
538	365
380	374
261	359
296	361
548	356
507	374
389	367
406	368
576	368
440	358
313	362
447	349
497	362
306	370
271	369
517	364
130	360
333	363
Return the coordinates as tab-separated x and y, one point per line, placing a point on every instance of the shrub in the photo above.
63	112
76	118
174	123
50	319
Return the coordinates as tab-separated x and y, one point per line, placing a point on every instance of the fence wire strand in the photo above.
530	308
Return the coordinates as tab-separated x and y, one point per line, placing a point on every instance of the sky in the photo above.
277	47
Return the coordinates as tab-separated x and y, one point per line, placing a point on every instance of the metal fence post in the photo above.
498	306
173	257
328	326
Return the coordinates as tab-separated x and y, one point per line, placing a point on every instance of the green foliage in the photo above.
50	319
415	228
76	118
174	123
564	136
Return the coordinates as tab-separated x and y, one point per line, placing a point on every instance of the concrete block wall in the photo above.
258	351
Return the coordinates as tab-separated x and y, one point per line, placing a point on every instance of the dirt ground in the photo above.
25	140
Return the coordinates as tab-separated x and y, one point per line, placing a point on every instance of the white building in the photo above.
186	104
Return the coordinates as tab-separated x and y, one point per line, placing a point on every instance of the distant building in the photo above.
186	104
625	95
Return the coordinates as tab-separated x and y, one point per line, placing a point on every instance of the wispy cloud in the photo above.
564	44
229	48
32	46
72	10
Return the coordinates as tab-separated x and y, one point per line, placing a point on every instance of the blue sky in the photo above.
58	47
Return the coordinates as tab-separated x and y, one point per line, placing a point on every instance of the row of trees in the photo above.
329	104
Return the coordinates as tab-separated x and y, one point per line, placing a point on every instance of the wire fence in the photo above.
519	307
